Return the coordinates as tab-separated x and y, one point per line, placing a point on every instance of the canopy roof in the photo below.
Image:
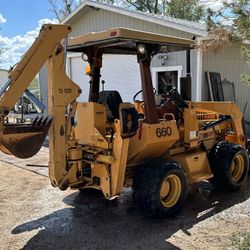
122	40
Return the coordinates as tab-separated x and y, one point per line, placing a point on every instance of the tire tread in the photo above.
146	184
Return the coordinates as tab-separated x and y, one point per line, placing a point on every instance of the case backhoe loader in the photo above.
107	144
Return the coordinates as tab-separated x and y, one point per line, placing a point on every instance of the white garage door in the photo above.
120	72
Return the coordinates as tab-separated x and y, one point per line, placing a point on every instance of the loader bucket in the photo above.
24	140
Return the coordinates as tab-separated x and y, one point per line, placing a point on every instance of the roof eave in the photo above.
192	30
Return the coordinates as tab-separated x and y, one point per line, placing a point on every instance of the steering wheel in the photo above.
139	92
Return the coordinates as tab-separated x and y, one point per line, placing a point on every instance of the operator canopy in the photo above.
126	41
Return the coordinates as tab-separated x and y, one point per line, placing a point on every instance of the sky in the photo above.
22	15
20	22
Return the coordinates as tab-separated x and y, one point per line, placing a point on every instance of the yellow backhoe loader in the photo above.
107	144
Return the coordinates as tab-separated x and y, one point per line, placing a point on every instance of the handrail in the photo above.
168	114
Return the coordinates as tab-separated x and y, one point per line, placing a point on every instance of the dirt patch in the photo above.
37	164
35	215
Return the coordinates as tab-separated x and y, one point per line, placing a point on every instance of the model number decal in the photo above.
66	91
163	132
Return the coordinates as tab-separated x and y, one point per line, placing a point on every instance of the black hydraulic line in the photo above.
222	118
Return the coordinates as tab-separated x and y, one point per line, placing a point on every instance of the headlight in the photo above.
141	49
85	57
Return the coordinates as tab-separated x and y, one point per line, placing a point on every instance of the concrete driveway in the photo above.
35	215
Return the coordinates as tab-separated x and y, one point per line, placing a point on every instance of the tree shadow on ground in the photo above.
95	223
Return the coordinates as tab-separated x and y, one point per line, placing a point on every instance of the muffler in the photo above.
24	140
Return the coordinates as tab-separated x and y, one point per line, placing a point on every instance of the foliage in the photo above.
246	54
186	9
231	25
62	8
240	242
233	17
183	9
151	6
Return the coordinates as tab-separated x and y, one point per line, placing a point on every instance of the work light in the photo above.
141	49
85	57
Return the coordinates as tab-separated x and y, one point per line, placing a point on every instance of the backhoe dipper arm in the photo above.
20	77
62	94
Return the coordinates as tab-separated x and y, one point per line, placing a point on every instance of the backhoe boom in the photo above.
25	140
20	77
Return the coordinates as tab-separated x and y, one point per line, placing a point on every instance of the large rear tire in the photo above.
230	165
160	188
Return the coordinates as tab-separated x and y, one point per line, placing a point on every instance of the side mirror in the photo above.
128	120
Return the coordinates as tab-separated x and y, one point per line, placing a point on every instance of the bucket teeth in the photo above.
42	122
49	121
35	121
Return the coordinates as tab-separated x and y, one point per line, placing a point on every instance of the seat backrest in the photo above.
112	99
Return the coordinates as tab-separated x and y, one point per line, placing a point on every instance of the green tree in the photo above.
62	8
151	6
185	9
231	25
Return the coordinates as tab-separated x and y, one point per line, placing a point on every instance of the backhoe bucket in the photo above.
24	140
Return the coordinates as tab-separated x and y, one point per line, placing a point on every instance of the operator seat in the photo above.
112	100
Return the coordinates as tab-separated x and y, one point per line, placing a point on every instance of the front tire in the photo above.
160	188
230	165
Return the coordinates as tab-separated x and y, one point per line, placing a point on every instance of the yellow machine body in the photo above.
90	148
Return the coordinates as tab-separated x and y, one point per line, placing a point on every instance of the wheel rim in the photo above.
237	167
170	190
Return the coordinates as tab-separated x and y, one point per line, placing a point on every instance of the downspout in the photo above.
199	71
188	74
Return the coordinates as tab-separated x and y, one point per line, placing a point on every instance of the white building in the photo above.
3	77
122	72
